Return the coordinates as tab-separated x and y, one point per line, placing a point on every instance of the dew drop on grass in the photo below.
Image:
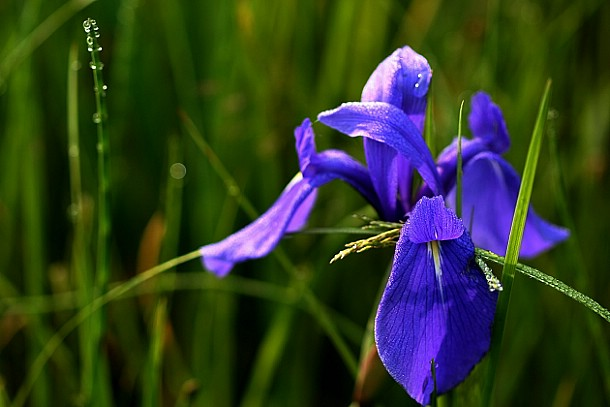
73	212
97	118
99	66
73	151
177	171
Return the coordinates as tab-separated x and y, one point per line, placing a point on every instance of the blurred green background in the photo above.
246	72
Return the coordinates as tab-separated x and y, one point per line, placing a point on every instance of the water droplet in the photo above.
73	151
73	212
419	75
99	66
97	118
87	25
177	171
417	85
233	190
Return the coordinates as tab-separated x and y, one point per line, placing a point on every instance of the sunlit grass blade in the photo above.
460	170
268	357
429	135
151	396
514	242
25	125
94	379
172	210
86	312
551	282
310	300
39	35
81	262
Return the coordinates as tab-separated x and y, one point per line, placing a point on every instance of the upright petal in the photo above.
402	80
436	307
386	124
486	122
305	145
490	189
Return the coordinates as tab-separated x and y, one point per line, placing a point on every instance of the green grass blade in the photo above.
313	303
458	179
38	36
94	378
514	241
151	396
429	135
85	313
25	119
551	282
268	357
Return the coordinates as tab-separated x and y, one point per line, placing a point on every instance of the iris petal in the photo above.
490	189
261	236
384	164
291	210
436	306
489	132
486	122
387	124
402	80
305	145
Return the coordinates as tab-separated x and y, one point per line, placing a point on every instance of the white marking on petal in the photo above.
435	249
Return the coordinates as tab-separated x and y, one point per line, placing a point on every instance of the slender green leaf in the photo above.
514	241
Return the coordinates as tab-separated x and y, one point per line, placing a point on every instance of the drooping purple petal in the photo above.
261	236
387	124
490	189
402	80
436	306
290	212
305	145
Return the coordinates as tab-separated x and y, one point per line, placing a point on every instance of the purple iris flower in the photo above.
437	306
491	185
